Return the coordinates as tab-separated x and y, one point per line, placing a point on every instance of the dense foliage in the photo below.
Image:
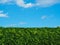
29	36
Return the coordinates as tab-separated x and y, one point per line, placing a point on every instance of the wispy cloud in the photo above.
4	1
46	3
1	11
7	1
12	25
22	23
16	25
41	3
3	14
43	17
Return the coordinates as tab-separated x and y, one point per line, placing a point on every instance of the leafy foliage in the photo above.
29	36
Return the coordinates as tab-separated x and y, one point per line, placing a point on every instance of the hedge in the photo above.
29	36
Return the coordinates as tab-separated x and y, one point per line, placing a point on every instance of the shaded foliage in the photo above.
30	36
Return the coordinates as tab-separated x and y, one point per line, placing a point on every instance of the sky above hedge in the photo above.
30	13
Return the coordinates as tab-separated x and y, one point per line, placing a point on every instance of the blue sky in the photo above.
30	13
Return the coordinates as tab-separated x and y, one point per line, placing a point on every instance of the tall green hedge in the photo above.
29	36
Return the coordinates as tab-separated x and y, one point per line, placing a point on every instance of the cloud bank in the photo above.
41	3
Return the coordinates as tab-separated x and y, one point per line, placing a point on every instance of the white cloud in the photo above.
22	4
28	5
3	14
41	3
